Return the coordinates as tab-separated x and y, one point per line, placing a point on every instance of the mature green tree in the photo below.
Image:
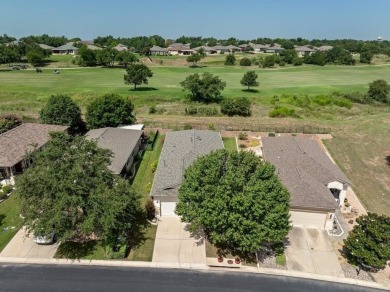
60	109
137	74
236	199
70	187
240	106
194	59
106	57
316	58
204	88
269	61
110	110
378	90
87	57
368	244
125	58
35	55
249	79
230	60
9	54
366	57
288	55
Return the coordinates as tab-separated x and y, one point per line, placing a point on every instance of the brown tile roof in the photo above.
120	141
15	143
305	170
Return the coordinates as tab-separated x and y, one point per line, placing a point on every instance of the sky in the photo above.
243	19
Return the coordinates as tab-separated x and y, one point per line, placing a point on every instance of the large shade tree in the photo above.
137	74
110	110
60	109
204	88
69	188
236	199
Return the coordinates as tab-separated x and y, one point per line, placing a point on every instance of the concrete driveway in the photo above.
174	244
310	250
22	246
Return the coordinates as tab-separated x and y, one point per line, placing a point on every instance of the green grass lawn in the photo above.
144	175
10	221
230	143
144	252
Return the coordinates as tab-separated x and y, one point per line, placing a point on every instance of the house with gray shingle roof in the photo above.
304	50
123	143
156	50
19	141
317	185
180	150
66	49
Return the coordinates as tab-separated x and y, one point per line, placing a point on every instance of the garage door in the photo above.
168	209
308	219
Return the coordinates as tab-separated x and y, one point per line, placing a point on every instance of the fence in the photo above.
305	129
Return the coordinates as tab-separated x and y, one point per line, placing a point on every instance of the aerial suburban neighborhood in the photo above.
151	159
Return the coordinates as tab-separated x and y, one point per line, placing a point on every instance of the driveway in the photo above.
310	250
22	246
174	244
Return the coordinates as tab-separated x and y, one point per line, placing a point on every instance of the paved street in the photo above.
77	278
24	247
174	244
310	250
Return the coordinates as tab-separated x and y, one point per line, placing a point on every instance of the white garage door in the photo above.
168	209
308	219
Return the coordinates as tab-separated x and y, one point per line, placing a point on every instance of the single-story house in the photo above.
180	150
123	143
65	50
258	48
45	47
273	48
317	185
19	141
303	50
207	50
180	49
156	50
120	48
325	48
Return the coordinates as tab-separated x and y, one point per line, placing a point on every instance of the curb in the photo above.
191	266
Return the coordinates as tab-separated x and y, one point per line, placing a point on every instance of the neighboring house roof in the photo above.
304	49
325	48
177	45
304	169
93	47
16	143
120	141
231	47
120	47
66	47
180	150
158	49
176	48
205	48
45	47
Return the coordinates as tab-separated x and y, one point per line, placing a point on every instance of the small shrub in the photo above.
148	186
187	127
297	61
242	146
356	97
7	189
342	102
245	62
282	63
281	112
150	210
152	109
153	166
271	134
236	107
212	127
242	136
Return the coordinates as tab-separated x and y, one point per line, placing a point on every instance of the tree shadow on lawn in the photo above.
387	158
2	217
76	250
251	90
144	89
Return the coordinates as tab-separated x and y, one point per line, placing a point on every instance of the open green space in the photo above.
230	143
10	221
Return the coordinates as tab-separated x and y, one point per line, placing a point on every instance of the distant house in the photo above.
258	48
180	49
65	50
45	47
180	150
120	48
207	50
325	48
273	48
16	143
156	50
303	50
124	145
317	185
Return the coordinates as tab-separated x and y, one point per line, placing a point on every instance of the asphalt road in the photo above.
15	277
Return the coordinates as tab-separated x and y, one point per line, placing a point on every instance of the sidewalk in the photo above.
202	267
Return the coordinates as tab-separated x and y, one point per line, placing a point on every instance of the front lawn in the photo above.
10	221
144	251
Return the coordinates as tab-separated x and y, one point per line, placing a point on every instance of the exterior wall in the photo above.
329	221
133	154
343	190
174	52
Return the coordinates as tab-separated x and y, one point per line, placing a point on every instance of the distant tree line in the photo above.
17	52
